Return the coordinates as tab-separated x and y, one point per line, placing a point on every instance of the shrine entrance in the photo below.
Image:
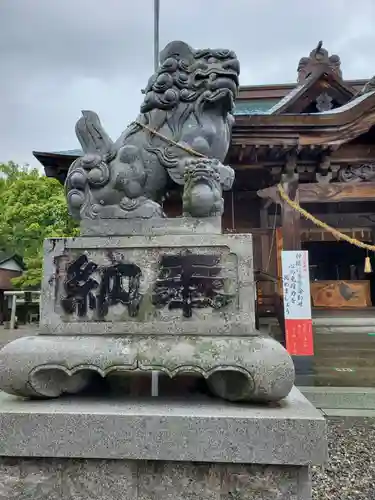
338	276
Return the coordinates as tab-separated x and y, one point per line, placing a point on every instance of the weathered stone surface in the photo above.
173	303
186	115
38	479
203	187
292	432
160	480
152	449
237	368
51	479
222	303
153	227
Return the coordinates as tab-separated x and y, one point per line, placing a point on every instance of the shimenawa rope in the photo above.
337	234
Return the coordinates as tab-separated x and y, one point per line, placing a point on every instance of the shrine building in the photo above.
315	137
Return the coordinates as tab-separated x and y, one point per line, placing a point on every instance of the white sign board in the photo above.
297	303
296	284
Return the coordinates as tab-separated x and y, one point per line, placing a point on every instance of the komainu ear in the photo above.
178	50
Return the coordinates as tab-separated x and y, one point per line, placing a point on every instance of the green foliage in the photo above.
32	208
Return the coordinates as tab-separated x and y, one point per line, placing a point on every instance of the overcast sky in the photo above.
61	56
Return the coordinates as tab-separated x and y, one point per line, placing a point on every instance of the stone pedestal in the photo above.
110	449
175	303
116	306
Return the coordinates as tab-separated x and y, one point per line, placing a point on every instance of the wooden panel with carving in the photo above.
317	234
326	193
337	191
340	294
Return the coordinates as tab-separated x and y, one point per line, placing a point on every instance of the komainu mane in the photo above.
183	131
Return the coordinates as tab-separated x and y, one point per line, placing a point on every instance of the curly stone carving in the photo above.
250	368
187	110
204	181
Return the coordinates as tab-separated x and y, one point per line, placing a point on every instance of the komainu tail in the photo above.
92	136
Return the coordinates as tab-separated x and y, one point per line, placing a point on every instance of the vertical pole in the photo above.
156	33
155	375
13	313
2	307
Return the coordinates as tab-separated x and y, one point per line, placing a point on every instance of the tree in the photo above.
32	208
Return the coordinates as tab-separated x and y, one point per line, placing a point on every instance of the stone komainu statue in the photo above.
183	131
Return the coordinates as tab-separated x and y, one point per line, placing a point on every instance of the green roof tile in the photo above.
254	107
69	152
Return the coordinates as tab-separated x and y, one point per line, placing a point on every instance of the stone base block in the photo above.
149	285
252	368
38	479
158	449
175	226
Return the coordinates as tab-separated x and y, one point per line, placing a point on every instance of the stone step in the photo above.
345	329
344	321
330	378
341	397
343	357
333	359
346	350
352	341
357	327
332	319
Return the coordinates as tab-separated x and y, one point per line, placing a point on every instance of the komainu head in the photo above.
207	77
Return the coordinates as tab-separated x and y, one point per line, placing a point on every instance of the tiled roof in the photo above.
69	152
279	104
242	107
4	257
254	106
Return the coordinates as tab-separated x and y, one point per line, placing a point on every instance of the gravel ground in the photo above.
350	472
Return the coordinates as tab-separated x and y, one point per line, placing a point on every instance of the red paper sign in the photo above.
299	337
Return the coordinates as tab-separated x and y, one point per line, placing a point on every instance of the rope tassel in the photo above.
368	267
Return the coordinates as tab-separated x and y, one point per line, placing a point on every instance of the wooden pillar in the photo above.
2	307
279	271
290	218
289	236
263	214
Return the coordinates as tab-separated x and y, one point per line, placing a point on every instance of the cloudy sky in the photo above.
60	56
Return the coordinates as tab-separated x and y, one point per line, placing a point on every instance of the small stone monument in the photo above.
138	292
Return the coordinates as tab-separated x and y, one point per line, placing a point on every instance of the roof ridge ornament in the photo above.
368	87
318	57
